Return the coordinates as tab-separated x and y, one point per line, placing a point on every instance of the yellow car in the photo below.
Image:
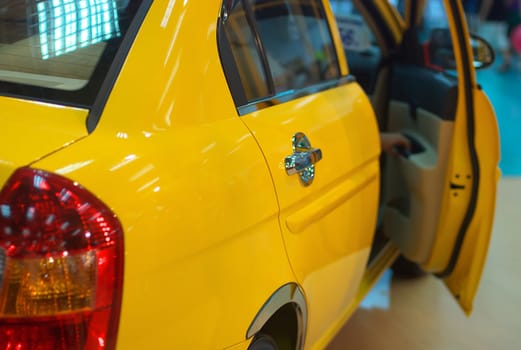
208	174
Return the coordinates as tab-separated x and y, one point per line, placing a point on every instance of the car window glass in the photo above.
354	30
434	16
297	42
360	45
431	36
245	53
46	40
60	50
434	36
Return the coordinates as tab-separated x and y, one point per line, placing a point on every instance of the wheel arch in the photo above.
287	301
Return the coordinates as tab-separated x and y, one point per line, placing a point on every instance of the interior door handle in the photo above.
303	159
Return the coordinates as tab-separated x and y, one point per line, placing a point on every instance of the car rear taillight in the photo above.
61	265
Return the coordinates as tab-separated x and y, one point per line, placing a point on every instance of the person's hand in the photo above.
391	142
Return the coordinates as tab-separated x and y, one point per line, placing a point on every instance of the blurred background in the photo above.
419	313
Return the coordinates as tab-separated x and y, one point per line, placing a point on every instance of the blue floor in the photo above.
504	91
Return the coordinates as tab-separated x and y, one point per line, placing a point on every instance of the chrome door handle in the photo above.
300	161
303	159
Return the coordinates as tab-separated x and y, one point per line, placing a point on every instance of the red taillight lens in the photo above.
61	265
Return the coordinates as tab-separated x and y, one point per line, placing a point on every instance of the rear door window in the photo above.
279	47
297	42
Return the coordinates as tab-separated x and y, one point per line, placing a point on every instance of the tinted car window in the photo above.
245	53
276	46
297	42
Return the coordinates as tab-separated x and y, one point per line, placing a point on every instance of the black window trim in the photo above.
231	72
250	17
290	95
116	66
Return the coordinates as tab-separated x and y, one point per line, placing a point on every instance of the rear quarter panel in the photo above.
173	160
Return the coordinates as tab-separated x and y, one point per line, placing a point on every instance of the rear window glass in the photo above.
60	50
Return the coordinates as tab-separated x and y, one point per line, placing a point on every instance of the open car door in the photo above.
438	200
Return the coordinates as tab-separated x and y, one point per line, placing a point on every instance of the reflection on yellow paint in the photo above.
122	135
127	160
148	184
71	25
142	172
73	167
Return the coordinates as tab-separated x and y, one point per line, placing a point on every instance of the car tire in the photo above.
263	342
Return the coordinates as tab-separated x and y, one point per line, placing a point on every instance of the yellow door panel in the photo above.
327	225
463	282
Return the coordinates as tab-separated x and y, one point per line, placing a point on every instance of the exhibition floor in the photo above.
421	315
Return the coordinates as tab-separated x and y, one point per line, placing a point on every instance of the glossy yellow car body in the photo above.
216	233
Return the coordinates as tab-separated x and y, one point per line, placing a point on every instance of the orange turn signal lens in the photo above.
48	286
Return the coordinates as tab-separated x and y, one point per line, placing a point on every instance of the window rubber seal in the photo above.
469	99
102	97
